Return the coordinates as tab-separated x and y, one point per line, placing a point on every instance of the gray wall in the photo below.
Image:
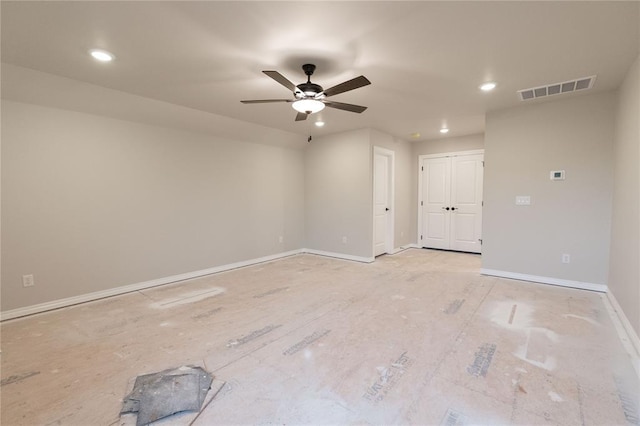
91	203
522	145
338	194
624	268
450	144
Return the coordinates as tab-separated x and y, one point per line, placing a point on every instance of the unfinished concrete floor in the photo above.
415	338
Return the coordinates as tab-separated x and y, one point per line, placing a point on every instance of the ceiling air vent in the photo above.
557	88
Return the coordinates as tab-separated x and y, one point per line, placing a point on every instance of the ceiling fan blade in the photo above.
301	116
354	83
346	107
281	79
264	101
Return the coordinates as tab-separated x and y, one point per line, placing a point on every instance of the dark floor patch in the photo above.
207	313
453	418
454	306
306	342
629	402
482	360
253	335
513	314
18	378
270	292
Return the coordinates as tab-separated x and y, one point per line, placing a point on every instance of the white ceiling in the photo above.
425	59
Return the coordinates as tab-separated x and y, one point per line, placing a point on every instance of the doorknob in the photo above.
386	209
453	208
445	208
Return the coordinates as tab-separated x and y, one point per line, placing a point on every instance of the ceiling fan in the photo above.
310	97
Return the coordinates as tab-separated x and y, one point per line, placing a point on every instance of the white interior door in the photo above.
382	201
451	202
436	220
466	203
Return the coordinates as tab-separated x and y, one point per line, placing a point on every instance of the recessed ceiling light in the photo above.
101	55
487	87
415	135
319	123
444	130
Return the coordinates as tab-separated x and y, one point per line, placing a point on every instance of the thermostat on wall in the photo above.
557	175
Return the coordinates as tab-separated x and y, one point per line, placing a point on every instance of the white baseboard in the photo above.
545	280
88	297
339	255
628	336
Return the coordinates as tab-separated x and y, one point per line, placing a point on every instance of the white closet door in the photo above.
451	202
436	220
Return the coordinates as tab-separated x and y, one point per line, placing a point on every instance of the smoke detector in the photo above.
576	85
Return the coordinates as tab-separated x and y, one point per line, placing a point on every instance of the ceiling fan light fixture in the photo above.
308	106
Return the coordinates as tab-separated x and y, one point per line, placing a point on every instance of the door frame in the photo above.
390	229
427	156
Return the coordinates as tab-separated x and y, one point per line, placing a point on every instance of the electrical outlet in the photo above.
28	281
566	258
280	239
344	240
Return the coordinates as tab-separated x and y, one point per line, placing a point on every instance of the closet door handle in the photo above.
453	208
445	208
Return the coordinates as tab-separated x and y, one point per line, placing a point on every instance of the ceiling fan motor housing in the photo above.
309	89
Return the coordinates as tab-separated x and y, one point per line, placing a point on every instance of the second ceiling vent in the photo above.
557	88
